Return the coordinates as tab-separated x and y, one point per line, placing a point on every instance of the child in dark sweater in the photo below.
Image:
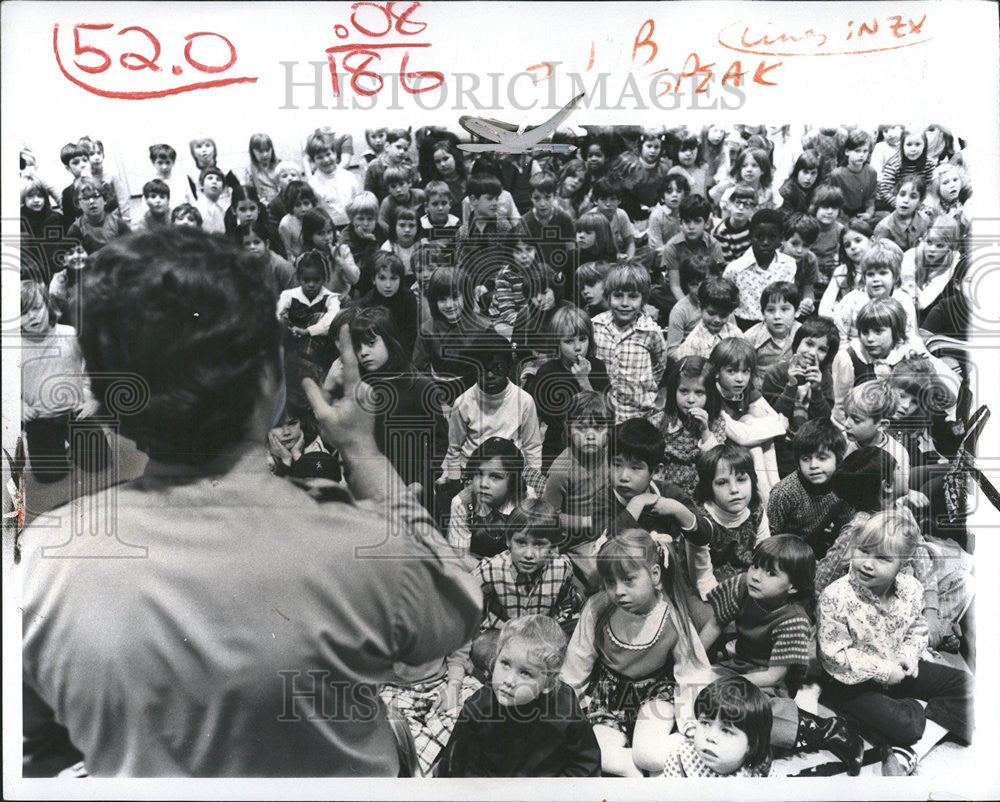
526	722
804	502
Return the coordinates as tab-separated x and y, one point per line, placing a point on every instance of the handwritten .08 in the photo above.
95	51
373	21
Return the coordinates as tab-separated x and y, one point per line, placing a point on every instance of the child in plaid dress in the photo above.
633	639
691	421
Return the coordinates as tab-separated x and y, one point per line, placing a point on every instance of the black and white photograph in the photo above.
416	400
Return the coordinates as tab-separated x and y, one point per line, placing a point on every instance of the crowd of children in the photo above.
679	401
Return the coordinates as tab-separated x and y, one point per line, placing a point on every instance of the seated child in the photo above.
828	202
797	190
928	269
730	508
691	421
186	214
857	179
299	198
684	315
846	276
76	159
95	228
867	409
294	453
871	638
769	605
799	233
607	194
772	338
549	227
594	242
334	187
438	223
905	226
664	221
695	214
800	386
388	292
732	231
318	235
750	420
211	202
493	407
631	652
55	393
762	265
404	234
577	480
156	193
943	568
730	738
482	241
244	207
635	498
163	158
363	237
526	722
480	511
530	577
508	296
279	273
575	369
306	312
590	285
804	502
880	278
399	180
630	344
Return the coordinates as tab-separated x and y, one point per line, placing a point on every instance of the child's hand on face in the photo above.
699	416
797	371
581	368
813	375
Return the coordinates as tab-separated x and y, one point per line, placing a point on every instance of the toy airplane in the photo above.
507	138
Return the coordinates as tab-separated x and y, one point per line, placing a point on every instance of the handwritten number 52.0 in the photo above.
137	61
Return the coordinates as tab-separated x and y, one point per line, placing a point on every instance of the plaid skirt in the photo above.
616	699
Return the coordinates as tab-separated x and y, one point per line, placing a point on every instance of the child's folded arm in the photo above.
841	658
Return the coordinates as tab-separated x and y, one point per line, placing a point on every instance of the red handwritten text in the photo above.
139	50
374	21
869	35
693	66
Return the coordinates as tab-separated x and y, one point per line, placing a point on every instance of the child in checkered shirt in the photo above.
529	577
630	343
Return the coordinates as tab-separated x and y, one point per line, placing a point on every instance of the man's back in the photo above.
245	640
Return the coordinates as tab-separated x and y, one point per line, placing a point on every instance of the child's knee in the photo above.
907	724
